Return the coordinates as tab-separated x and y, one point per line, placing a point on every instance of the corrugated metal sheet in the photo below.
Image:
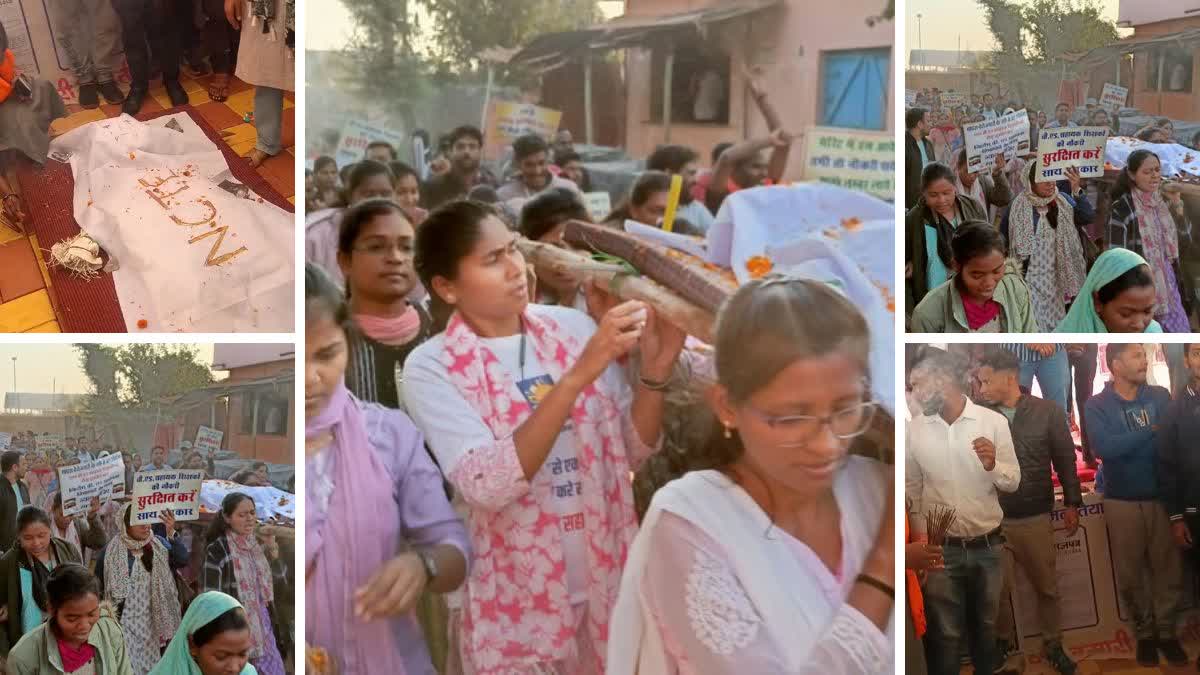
551	50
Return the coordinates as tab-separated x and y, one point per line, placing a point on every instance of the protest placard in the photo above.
103	478
953	99
910	98
1080	147
208	440
175	489
509	120
859	160
599	205
1008	134
1113	97
48	441
5	440
357	135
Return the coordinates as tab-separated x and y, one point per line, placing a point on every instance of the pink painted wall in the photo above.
787	42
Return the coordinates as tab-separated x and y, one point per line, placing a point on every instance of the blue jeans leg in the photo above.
1053	375
983	605
961	602
268	119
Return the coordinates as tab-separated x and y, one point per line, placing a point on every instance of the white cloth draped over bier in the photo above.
143	191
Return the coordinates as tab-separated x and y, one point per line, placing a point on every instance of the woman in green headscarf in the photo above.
1117	297
214	639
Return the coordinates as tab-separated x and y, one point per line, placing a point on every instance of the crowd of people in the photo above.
1074	256
97	593
484	417
454	169
982	444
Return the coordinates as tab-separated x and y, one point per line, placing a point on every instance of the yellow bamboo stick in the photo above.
668	222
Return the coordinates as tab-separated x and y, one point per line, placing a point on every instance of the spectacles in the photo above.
845	424
380	249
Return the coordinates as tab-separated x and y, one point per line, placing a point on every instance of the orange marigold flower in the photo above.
759	266
851	223
142	323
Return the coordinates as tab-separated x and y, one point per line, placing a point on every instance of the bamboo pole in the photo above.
698	322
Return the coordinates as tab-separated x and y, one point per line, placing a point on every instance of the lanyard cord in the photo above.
521	358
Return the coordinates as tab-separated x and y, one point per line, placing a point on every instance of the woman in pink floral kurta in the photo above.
537	429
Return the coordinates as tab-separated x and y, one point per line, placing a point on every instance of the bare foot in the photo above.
257	157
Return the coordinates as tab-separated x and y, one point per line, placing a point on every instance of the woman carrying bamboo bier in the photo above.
986	294
537	429
780	557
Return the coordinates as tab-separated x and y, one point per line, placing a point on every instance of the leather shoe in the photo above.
1173	651
1147	653
176	93
133	102
88	97
111	92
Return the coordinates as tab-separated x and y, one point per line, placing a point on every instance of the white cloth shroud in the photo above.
144	191
1175	158
269	502
800	228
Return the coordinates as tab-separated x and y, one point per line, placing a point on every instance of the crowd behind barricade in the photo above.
980	453
484	417
97	592
999	250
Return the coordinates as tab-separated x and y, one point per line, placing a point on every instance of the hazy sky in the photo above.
944	22
39	367
329	25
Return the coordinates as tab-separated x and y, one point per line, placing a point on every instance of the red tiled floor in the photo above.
280	172
21	274
219	115
288	134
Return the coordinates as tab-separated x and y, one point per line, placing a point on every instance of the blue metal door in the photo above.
854	88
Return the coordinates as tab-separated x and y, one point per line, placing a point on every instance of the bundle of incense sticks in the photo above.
937	523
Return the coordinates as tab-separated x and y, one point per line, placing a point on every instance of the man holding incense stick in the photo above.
1124	422
959	456
1041	438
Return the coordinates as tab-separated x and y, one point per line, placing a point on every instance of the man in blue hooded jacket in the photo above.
1123	424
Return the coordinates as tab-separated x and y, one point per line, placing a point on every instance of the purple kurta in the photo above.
426	518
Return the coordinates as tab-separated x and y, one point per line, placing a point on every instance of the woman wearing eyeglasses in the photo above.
536	427
780	558
375	254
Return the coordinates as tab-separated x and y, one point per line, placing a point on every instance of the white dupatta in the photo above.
810	634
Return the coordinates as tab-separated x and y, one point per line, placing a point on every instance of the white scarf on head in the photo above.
1070	267
151	613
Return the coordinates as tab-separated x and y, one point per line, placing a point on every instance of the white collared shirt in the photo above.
941	468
